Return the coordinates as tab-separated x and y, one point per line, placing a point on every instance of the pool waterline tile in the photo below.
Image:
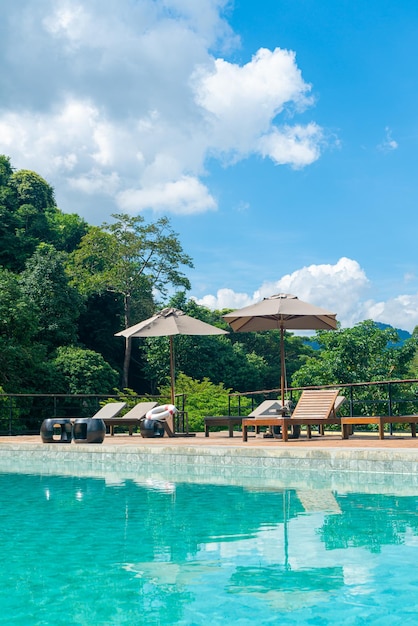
357	469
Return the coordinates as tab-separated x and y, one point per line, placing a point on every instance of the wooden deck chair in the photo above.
314	408
273	408
337	404
268	408
131	418
109	410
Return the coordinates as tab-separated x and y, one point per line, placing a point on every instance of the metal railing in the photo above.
23	413
386	398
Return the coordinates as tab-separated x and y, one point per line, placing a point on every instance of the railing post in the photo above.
351	402
390	408
10	415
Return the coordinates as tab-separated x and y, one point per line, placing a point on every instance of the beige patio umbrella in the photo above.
167	323
282	311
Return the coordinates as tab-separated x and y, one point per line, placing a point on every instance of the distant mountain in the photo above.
402	334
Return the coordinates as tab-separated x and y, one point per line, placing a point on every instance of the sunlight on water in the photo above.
92	551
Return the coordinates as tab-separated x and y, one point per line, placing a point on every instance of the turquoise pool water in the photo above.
110	550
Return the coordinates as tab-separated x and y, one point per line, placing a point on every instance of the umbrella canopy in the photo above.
285	312
167	323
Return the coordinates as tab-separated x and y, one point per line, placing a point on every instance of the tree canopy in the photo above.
365	352
132	260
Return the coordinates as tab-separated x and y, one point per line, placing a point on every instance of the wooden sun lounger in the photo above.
347	423
314	408
223	420
131	418
267	409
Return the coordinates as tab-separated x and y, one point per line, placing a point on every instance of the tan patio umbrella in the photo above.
285	312
167	323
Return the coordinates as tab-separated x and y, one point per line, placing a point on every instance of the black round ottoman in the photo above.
89	430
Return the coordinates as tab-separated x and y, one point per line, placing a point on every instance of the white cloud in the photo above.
48	139
68	21
337	288
388	144
95	182
99	103
226	299
340	288
242	104
271	78
401	312
297	145
184	196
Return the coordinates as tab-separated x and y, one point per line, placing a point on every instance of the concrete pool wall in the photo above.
365	469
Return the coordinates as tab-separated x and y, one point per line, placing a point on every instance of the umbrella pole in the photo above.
172	369
282	364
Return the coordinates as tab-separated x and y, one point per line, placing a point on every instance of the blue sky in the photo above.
279	137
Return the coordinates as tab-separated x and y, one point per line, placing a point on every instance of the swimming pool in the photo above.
120	548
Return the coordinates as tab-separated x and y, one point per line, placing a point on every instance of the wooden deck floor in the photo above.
329	440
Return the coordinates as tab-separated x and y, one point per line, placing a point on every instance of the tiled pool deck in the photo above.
321	460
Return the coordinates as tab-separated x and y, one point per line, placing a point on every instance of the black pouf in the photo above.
89	430
54	427
152	428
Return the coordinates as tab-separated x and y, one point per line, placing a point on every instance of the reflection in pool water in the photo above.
112	550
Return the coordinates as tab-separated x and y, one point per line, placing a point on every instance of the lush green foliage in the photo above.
242	361
203	398
132	260
85	371
58	305
362	353
24	364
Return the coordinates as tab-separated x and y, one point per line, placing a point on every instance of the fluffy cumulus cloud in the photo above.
241	103
401	311
296	145
341	288
94	99
185	195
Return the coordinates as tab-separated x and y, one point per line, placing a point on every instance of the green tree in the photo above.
18	319
8	221
24	365
199	357
97	325
84	371
66	229
31	189
215	358
58	305
130	259
362	353
413	366
6	170
34	197
266	345
29	216
203	398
